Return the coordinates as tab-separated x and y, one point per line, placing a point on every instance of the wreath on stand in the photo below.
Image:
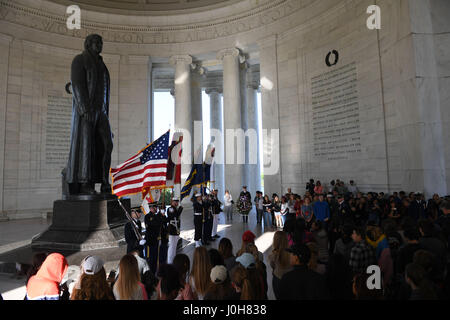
244	205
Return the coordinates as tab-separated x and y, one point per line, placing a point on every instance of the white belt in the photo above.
197	214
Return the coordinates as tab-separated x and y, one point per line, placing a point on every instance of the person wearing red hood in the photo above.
45	285
248	237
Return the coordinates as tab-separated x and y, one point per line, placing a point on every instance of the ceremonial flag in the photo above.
144	171
174	162
199	176
153	195
209	160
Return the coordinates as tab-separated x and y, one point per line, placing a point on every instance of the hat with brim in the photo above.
218	274
92	264
247	260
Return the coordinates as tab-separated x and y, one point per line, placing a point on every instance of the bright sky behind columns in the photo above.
164	117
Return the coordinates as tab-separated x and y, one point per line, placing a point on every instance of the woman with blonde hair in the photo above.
128	286
279	260
200	274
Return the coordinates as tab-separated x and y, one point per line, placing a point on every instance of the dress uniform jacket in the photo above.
130	236
173	216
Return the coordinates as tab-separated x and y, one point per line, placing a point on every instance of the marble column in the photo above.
234	148
183	111
216	123
243	67
254	163
270	115
197	112
4	63
151	98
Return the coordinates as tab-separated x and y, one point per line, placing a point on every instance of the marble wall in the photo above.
301	63
400	97
403	111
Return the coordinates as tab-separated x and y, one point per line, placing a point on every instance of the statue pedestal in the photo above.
81	225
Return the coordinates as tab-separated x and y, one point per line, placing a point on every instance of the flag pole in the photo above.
133	224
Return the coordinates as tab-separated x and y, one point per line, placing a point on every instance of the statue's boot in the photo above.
106	188
87	188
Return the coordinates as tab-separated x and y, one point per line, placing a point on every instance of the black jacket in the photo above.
130	236
202	208
416	210
216	206
173	216
156	228
303	284
345	214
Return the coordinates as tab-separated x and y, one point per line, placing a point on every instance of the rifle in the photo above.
133	223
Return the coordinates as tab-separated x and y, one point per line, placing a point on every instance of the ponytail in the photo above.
241	280
246	290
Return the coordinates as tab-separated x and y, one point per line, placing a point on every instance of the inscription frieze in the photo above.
223	27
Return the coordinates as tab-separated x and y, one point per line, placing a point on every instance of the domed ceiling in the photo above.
149	5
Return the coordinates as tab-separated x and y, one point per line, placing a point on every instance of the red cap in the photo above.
248	236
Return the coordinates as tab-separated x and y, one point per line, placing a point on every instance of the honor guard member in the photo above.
208	219
130	230
216	204
164	241
173	215
198	218
153	225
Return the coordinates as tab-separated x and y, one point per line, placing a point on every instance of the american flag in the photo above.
144	171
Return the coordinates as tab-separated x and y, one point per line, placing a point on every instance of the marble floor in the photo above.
16	235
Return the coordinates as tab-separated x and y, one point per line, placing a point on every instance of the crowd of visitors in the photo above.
345	231
322	247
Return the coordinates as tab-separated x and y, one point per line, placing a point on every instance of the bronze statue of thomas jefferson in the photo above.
91	139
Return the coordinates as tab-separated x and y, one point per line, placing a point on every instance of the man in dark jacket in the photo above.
417	207
200	211
173	215
131	238
302	283
345	215
156	237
